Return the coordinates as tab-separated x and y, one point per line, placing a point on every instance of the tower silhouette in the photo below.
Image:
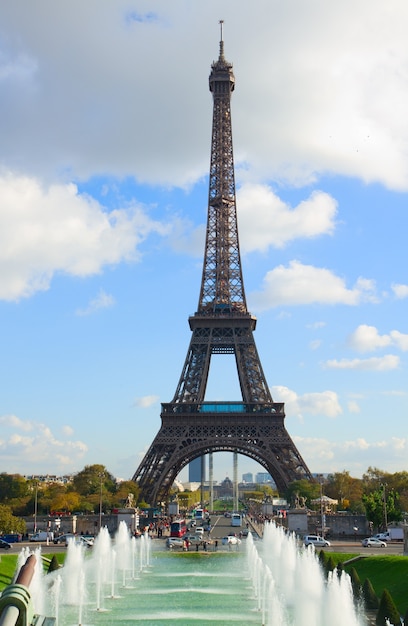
192	427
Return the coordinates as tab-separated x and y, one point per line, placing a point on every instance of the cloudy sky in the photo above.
105	126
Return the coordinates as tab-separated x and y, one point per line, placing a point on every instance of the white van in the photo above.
42	535
315	540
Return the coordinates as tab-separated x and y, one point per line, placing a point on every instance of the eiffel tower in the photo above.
192	427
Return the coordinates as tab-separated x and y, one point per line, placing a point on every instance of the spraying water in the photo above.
273	582
291	588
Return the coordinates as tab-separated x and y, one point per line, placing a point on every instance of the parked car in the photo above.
175	542
231	540
63	538
80	541
373	542
12	538
5	545
193	539
316	540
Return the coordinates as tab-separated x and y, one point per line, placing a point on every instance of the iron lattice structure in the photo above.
222	324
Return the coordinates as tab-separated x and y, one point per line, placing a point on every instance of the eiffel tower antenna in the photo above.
192	427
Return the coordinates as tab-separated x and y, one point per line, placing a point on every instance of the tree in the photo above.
9	523
89	480
123	490
376	507
12	486
303	488
370	599
355	583
347	490
54	565
387	610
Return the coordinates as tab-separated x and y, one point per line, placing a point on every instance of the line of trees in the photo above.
382	496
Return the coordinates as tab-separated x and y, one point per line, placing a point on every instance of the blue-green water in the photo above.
185	589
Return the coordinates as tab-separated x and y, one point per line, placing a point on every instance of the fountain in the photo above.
291	588
124	581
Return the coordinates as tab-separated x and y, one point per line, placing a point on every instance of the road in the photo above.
221	526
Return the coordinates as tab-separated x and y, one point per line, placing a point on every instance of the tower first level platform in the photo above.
193	430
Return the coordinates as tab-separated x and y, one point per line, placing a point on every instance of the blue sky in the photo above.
105	120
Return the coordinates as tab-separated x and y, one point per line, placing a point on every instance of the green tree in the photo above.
303	488
370	599
12	486
123	490
9	523
387	610
376	508
96	486
89	480
346	489
330	565
54	565
355	582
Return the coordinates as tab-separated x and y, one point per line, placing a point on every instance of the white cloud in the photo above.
367	338
45	230
146	401
353	455
323	97
317	403
353	407
13	421
265	220
102	301
400	291
38	446
301	284
375	364
400	340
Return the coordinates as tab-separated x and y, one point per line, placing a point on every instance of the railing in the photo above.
15	602
274	408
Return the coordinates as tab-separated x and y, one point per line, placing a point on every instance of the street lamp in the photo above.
101	476
383	485
35	506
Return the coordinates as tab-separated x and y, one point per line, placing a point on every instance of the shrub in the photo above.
388	610
370	599
54	565
355	582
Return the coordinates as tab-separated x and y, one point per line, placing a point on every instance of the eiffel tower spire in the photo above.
192	427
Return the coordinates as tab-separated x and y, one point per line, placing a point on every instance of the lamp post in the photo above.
35	506
101	476
383	485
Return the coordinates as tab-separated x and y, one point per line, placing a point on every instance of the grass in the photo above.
385	572
8	564
7	569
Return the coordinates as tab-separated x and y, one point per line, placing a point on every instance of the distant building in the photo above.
225	489
194	471
248	477
263	477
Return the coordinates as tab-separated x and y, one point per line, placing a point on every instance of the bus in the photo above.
236	519
199	514
178	528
